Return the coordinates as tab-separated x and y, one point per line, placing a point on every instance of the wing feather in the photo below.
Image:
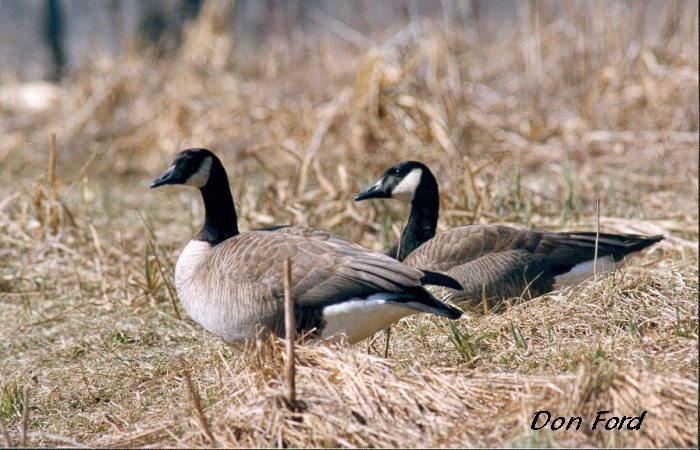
325	268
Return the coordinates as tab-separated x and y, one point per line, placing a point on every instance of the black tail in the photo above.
439	279
635	242
422	300
615	245
574	248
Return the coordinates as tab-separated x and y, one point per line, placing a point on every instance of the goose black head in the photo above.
400	181
192	167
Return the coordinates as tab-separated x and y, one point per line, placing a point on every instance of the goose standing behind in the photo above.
499	261
231	283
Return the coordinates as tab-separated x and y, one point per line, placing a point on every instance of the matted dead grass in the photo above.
355	400
529	128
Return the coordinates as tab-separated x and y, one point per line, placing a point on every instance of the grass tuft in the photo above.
518	338
10	401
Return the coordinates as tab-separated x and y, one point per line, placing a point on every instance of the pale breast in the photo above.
233	310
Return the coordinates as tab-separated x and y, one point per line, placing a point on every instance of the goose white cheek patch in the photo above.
200	178
406	189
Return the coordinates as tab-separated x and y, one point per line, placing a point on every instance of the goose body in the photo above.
231	283
494	261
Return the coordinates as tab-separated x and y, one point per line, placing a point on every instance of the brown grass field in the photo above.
527	126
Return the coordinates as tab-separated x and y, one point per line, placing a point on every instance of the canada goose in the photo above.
231	283
497	261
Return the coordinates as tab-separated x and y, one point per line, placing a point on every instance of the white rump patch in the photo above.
582	272
406	189
356	319
200	178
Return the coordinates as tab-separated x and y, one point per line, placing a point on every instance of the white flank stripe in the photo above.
356	319
582	272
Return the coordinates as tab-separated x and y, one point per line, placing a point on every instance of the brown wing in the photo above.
325	268
512	273
506	262
240	281
560	250
460	245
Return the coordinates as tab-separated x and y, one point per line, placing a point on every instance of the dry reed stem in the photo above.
53	197
290	333
597	236
194	397
165	282
25	414
5	435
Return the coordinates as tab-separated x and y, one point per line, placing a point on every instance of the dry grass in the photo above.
529	128
356	400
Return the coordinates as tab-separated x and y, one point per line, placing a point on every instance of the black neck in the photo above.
220	221
422	222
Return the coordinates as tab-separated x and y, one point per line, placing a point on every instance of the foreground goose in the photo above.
231	283
495	261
